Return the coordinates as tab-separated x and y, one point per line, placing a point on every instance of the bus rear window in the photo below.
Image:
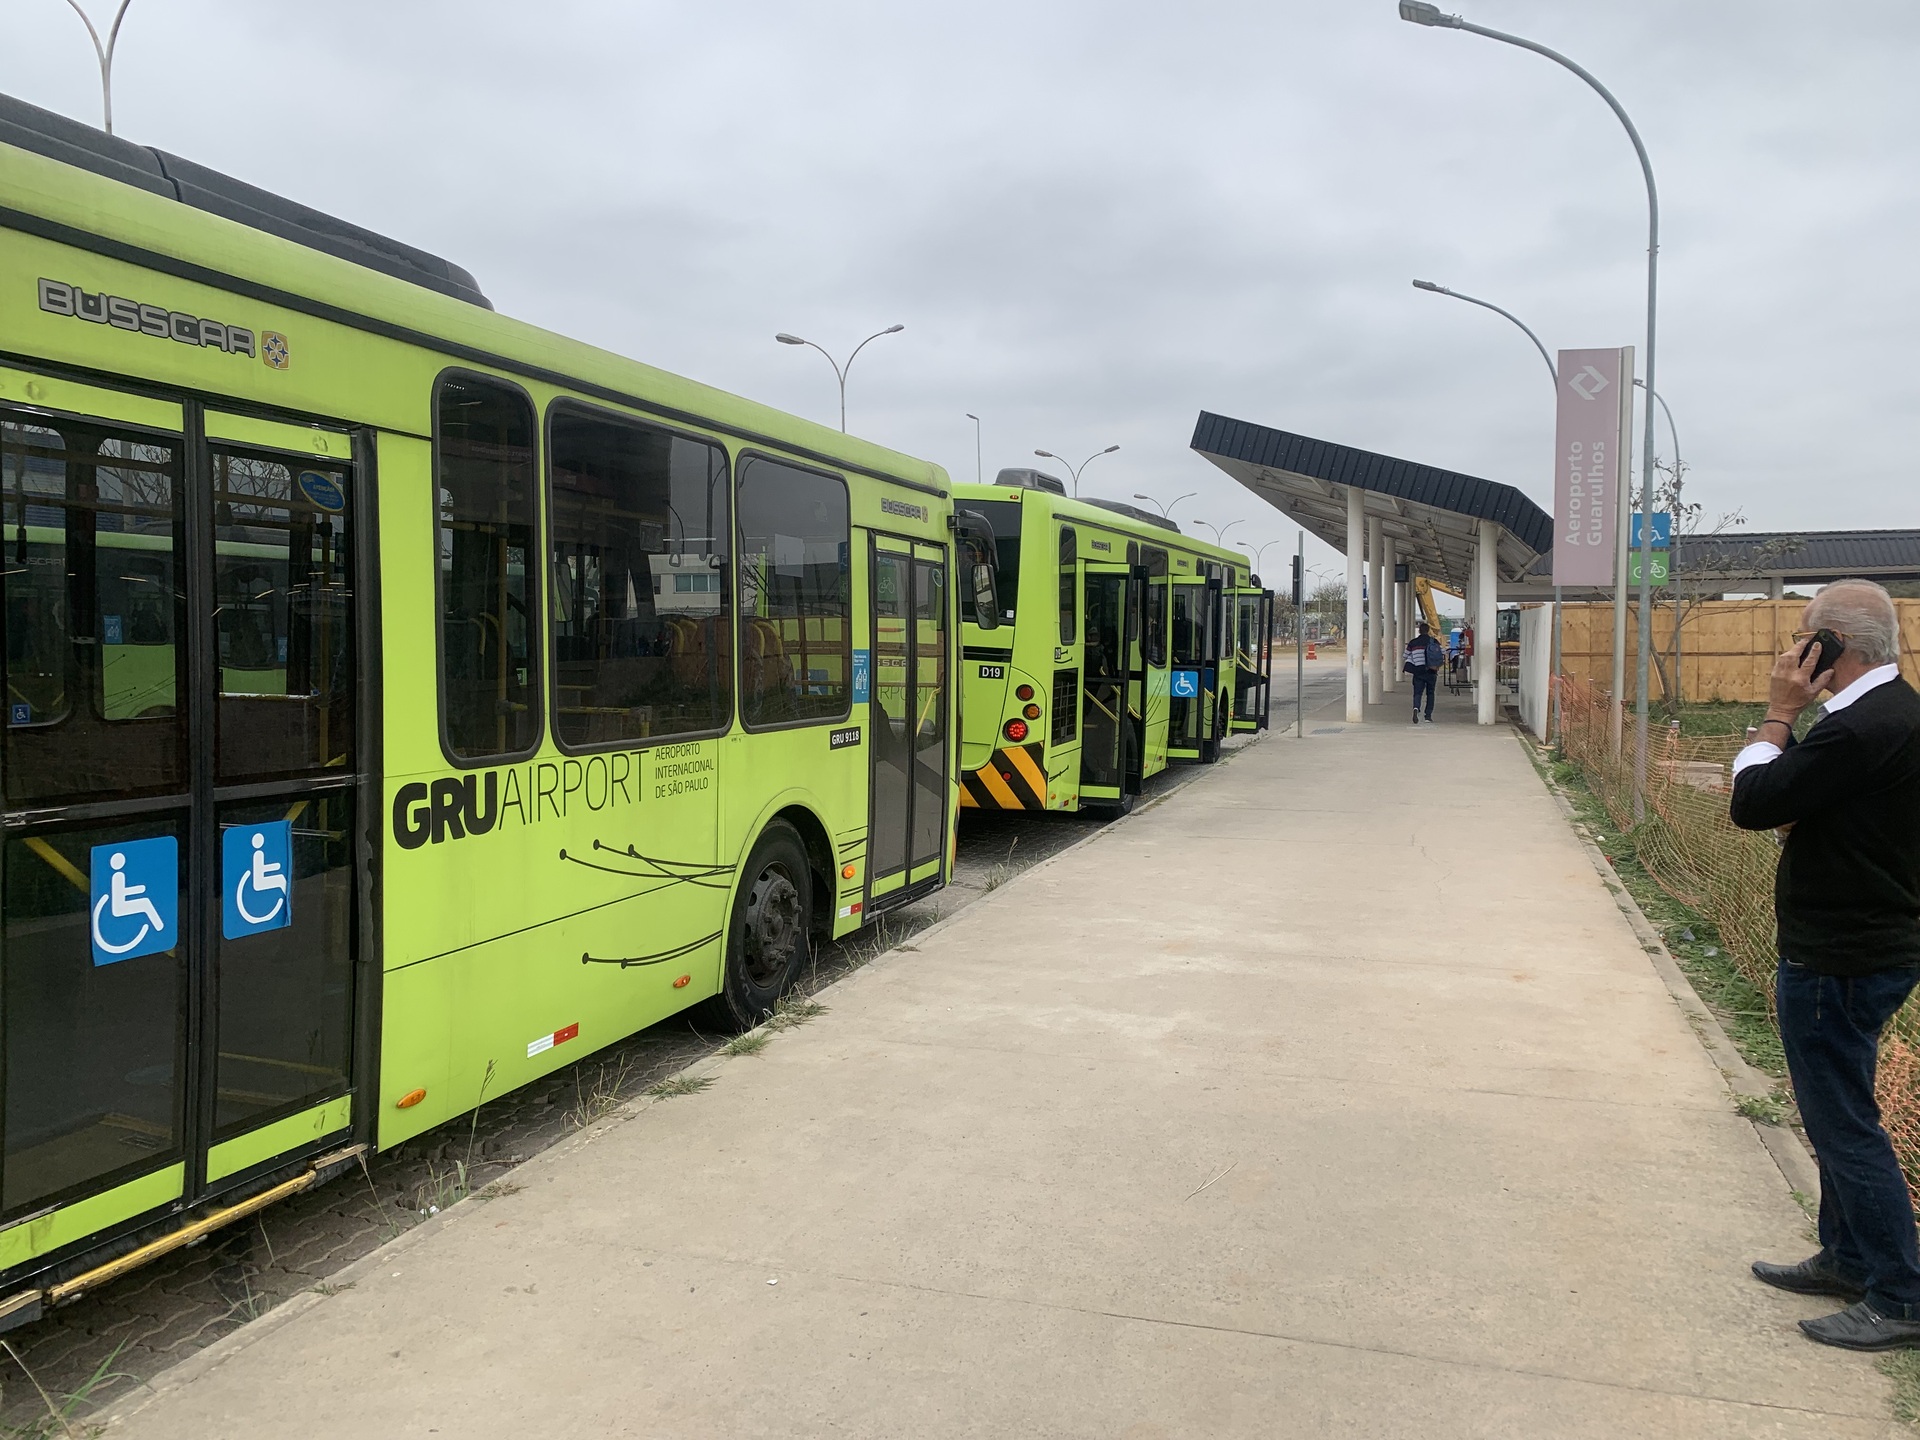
1004	516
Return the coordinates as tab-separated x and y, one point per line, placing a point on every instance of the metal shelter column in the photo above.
1486	671
1390	604
1356	623
1376	615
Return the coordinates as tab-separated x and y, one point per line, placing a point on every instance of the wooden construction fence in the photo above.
1727	646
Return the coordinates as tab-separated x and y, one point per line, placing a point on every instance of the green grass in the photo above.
680	1085
1690	936
751	1043
60	1417
1725	718
1903	1368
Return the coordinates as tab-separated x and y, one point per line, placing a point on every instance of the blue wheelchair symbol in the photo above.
1186	684
135	898
20	713
256	878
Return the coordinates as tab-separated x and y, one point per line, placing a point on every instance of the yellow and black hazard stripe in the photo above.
1015	779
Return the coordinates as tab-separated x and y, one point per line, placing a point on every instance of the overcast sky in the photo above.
1096	220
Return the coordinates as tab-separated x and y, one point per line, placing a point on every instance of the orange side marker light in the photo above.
410	1099
683	982
847	872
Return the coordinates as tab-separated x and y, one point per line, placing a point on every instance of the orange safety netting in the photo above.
1695	853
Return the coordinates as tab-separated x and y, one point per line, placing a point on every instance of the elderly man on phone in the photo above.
1847	905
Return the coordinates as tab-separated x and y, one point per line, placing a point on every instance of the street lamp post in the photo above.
1166	511
1076	469
1419	12
105	56
1219	535
1255	553
839	370
978	474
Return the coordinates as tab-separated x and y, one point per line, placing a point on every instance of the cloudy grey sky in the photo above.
1096	220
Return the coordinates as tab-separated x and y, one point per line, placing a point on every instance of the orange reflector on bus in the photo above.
410	1099
683	982
1032	712
847	872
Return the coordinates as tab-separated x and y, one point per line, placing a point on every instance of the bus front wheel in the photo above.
767	935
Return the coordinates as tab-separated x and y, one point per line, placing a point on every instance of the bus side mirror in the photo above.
986	599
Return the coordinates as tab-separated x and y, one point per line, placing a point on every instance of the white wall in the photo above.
1536	667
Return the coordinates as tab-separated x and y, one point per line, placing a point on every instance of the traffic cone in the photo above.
1311	654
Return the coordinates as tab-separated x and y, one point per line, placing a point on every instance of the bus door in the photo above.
1253	659
1186	706
1217	660
908	717
182	770
1112	684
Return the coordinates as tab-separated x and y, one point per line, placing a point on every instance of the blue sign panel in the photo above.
112	630
862	675
256	878
1186	684
323	490
1662	530
135	898
20	713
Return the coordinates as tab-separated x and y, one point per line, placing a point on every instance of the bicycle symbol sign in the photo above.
256	878
135	898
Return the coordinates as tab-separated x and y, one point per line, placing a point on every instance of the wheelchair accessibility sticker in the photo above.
1186	684
256	878
135	899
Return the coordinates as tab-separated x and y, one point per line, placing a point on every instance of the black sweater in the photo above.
1847	894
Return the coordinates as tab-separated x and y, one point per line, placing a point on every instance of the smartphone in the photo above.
1830	647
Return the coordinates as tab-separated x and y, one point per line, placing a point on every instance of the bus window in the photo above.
1004	516
796	624
92	534
640	623
489	672
1069	585
1156	607
283	583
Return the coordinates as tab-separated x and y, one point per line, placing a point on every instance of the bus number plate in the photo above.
993	672
841	739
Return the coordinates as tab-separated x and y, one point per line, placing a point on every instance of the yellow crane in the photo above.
1423	589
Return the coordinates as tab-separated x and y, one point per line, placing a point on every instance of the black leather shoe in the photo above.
1860	1327
1812	1276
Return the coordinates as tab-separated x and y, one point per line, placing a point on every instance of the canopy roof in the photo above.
1431	514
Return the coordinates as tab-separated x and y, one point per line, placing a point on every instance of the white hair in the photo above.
1864	613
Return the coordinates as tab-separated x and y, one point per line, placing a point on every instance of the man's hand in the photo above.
1792	686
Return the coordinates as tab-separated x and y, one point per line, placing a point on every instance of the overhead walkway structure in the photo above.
1479	538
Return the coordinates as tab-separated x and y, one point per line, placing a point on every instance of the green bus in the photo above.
402	701
1121	646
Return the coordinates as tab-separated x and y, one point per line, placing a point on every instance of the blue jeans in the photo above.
1423	681
1830	1026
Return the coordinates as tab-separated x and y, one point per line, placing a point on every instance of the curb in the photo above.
1789	1152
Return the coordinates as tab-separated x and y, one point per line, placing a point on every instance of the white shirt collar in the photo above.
1872	680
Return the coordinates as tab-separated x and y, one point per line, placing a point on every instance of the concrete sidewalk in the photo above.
1333	1096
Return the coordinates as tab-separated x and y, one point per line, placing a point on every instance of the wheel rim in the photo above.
773	923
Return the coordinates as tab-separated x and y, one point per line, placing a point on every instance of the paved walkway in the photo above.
1332	1096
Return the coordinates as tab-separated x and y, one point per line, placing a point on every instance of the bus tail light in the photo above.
1024	692
1015	730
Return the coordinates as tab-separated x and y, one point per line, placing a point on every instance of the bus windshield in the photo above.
1004	516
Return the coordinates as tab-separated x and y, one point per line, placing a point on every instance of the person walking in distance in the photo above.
1423	659
1846	797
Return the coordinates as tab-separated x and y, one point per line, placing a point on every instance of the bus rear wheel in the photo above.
768	933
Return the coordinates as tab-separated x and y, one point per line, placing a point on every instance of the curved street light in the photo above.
1552	371
105	55
1219	534
1076	469
1419	12
839	370
1166	511
1257	562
